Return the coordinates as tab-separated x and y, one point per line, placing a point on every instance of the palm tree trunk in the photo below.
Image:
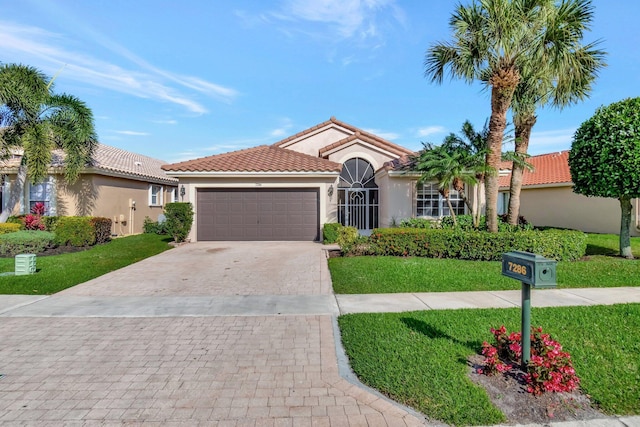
523	126
503	85
478	213
16	190
453	214
625	227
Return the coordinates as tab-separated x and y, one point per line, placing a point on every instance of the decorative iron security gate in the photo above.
358	196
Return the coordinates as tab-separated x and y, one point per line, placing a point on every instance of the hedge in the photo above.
330	232
102	227
75	231
179	220
25	241
561	245
8	227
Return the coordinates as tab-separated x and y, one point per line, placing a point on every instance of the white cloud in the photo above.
132	133
431	130
346	18
35	45
551	141
283	130
386	135
165	122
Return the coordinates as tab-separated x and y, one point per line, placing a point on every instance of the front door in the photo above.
358	196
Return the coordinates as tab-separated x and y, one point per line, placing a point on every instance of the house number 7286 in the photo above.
518	268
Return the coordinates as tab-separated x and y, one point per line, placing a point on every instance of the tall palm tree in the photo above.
541	85
38	121
492	41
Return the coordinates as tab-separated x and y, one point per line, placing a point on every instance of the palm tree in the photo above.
493	40
448	169
541	85
472	145
38	121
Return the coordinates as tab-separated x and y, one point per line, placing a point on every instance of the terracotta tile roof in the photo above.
402	163
110	159
552	168
264	158
363	135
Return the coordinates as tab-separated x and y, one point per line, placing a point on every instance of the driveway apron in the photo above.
228	334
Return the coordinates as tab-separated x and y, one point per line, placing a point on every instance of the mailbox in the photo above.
535	270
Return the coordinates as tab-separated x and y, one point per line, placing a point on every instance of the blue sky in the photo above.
180	80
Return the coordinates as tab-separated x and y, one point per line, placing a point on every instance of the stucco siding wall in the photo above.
397	199
376	158
311	144
113	198
561	207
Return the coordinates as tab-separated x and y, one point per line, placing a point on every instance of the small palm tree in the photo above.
448	169
38	121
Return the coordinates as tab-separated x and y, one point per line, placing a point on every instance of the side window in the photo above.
155	195
42	197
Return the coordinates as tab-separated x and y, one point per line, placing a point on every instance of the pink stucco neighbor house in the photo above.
547	199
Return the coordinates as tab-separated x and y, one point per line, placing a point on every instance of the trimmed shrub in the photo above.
49	222
75	231
465	222
25	241
179	220
330	232
419	223
16	219
561	245
102	227
150	226
9	228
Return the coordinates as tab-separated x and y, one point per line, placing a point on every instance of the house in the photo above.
118	184
547	198
331	172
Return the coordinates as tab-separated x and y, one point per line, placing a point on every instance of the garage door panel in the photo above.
258	214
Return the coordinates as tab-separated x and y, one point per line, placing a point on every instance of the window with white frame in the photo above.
429	202
42	194
503	202
155	195
173	196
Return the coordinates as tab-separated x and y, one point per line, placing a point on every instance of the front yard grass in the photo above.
363	275
420	358
58	272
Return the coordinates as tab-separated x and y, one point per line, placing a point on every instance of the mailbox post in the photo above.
532	270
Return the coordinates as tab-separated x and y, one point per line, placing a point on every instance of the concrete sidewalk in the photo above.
63	305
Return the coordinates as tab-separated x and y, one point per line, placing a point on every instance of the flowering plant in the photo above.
32	221
549	369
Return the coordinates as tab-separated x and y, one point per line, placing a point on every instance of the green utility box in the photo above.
535	270
25	264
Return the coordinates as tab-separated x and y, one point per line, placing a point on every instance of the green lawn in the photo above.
361	275
419	358
58	272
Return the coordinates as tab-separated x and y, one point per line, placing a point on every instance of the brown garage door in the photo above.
252	214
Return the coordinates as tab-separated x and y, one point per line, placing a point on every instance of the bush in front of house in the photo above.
75	231
179	220
465	222
49	222
9	228
330	232
561	245
102	229
25	241
419	223
150	226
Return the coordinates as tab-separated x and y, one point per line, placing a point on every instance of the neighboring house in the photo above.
332	172
118	184
547	199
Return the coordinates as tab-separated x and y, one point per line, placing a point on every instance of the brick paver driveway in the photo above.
208	369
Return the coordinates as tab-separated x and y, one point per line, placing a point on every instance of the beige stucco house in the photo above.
547	199
121	185
332	172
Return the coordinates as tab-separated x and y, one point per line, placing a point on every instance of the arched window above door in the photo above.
357	173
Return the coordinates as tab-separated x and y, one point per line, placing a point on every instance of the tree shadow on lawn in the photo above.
600	250
432	332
